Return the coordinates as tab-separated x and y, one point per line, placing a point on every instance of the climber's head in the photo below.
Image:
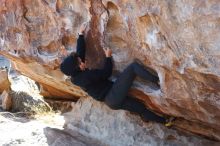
71	65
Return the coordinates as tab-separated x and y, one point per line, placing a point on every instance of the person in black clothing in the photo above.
96	83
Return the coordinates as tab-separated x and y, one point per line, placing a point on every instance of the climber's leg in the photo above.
136	106
120	88
118	93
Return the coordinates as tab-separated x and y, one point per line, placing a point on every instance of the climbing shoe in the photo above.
170	121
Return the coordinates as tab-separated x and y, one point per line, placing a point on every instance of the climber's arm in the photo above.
104	73
81	47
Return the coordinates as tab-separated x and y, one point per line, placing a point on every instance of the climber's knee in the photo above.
134	64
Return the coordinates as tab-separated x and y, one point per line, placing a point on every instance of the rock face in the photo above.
22	102
119	128
56	137
46	130
178	39
4	82
6	101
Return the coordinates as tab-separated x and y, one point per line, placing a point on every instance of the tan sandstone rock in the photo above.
118	127
6	101
4	82
178	39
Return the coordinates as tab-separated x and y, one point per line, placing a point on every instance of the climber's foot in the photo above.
170	121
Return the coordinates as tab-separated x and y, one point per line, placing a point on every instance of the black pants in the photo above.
117	97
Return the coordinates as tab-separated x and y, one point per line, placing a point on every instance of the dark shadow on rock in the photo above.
16	117
57	137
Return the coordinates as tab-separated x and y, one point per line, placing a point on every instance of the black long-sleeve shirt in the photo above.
81	47
68	65
95	81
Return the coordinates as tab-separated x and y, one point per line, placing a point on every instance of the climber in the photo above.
96	83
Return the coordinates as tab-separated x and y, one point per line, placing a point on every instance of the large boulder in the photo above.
177	39
23	102
120	128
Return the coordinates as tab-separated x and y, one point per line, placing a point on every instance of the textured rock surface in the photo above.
16	130
22	102
24	95
56	137
6	101
60	106
4	82
178	39
119	128
52	81
46	130
21	131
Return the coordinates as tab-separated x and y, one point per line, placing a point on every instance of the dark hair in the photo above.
70	65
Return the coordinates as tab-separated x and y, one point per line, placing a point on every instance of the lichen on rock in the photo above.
22	102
